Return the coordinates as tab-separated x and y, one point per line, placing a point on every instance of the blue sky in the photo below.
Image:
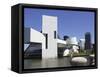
70	23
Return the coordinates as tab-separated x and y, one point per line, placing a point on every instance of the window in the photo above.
46	41
55	34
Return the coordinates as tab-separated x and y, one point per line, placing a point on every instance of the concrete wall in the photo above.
49	25
61	41
33	36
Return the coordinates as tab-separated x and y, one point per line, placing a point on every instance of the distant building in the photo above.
87	41
46	42
82	44
73	40
72	44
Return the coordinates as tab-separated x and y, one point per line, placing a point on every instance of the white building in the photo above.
48	37
33	36
82	43
73	40
72	44
49	29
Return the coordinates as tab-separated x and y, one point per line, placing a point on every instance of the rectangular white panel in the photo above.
49	27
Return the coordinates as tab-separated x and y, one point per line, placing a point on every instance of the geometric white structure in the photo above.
82	43
73	43
33	36
49	29
73	40
48	37
61	41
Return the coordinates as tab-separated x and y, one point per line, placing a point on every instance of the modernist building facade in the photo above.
48	37
49	29
47	40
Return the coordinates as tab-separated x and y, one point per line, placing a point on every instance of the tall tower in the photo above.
87	41
49	29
